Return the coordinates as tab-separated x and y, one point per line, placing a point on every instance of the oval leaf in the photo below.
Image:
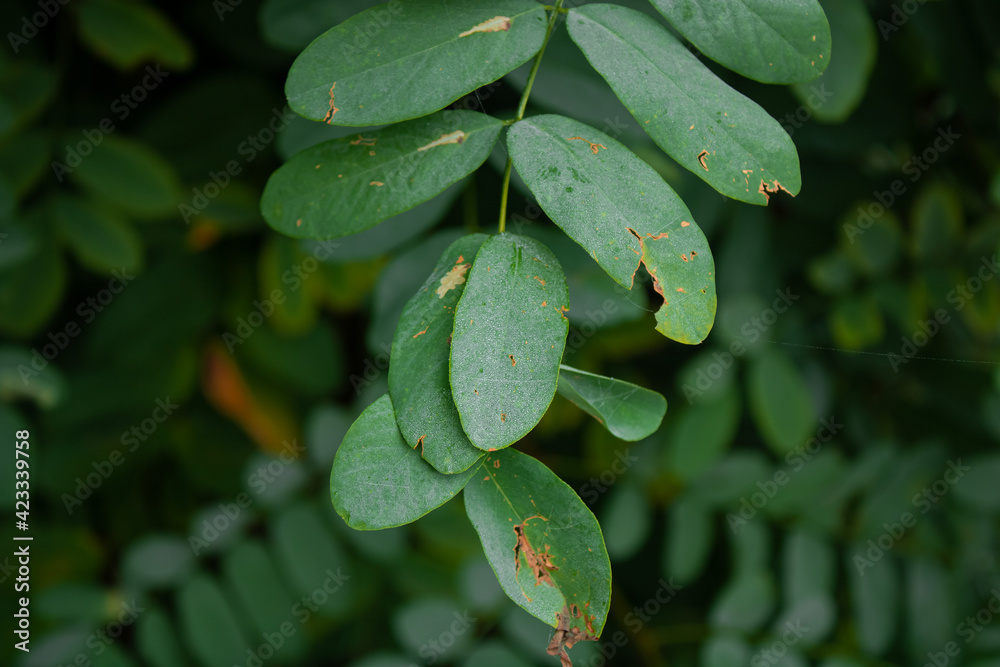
779	402
628	411
835	95
709	128
101	240
510	332
766	40
208	623
129	175
418	368
345	78
127	34
623	213
378	481
345	186
875	597
543	543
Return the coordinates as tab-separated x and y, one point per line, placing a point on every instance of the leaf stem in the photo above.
556	10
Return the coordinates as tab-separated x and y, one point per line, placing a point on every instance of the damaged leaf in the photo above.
771	42
418	366
348	185
710	129
507	347
628	411
422	58
543	543
379	481
623	214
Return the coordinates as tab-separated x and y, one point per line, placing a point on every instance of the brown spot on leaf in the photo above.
461	258
495	24
513	361
540	562
455	137
298	223
496	464
701	158
769	189
377	183
540	280
545	303
420	442
685	223
453	279
503	417
363	141
420	333
333	109
594	148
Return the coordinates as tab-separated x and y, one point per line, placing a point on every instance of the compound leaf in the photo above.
348	185
623	213
379	481
408	58
710	129
510	332
418	369
628	411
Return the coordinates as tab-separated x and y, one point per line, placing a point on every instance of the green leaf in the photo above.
399	231
296	313
347	185
156	639
930	606
379	481
20	378
701	434
418	368
158	562
406	59
628	411
30	292
745	603
543	543
779	402
292	24
724	651
690	534
102	241
626	518
208	624
309	364
510	332
131	176
874	588
834	96
937	223
771	42
809	566
127	34
978	487
623	213
256	584
306	551
706	126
